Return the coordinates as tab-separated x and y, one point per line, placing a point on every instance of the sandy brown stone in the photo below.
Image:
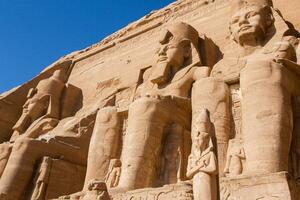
199	100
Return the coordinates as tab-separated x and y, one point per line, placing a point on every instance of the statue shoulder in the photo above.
200	72
228	68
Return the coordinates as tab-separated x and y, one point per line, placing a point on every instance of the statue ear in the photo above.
231	37
269	18
187	48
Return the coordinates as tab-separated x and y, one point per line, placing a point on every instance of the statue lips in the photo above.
244	28
162	59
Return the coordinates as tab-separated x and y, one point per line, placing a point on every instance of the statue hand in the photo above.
46	138
279	60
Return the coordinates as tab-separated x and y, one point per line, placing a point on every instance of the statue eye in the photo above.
251	14
234	20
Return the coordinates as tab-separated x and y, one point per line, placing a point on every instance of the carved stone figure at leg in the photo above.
213	94
202	166
235	157
26	152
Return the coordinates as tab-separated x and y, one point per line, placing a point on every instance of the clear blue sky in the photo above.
35	33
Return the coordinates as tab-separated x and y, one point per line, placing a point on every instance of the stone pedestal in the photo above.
276	186
180	191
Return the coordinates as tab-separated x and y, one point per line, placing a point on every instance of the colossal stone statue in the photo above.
273	81
261	70
43	101
184	127
41	112
68	141
165	90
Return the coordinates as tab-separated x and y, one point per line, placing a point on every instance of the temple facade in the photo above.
197	101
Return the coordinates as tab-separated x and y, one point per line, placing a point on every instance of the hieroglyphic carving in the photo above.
236	110
182	191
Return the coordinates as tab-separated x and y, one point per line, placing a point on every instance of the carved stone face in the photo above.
171	58
202	141
175	48
250	24
175	53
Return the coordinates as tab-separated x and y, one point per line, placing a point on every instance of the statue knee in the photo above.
5	149
143	106
107	115
23	144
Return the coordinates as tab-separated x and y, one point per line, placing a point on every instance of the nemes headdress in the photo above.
238	4
181	31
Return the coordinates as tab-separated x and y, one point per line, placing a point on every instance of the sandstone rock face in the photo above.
199	100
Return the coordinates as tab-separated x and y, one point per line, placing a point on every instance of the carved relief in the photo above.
235	158
236	110
113	174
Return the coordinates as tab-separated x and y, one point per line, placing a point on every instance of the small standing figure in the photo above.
235	157
202	168
114	172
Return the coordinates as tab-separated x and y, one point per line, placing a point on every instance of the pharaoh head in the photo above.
250	21
59	74
175	50
202	141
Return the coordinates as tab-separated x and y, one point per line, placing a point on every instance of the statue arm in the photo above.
290	65
192	169
242	154
210	167
191	172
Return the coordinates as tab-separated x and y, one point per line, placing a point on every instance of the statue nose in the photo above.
163	50
243	20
